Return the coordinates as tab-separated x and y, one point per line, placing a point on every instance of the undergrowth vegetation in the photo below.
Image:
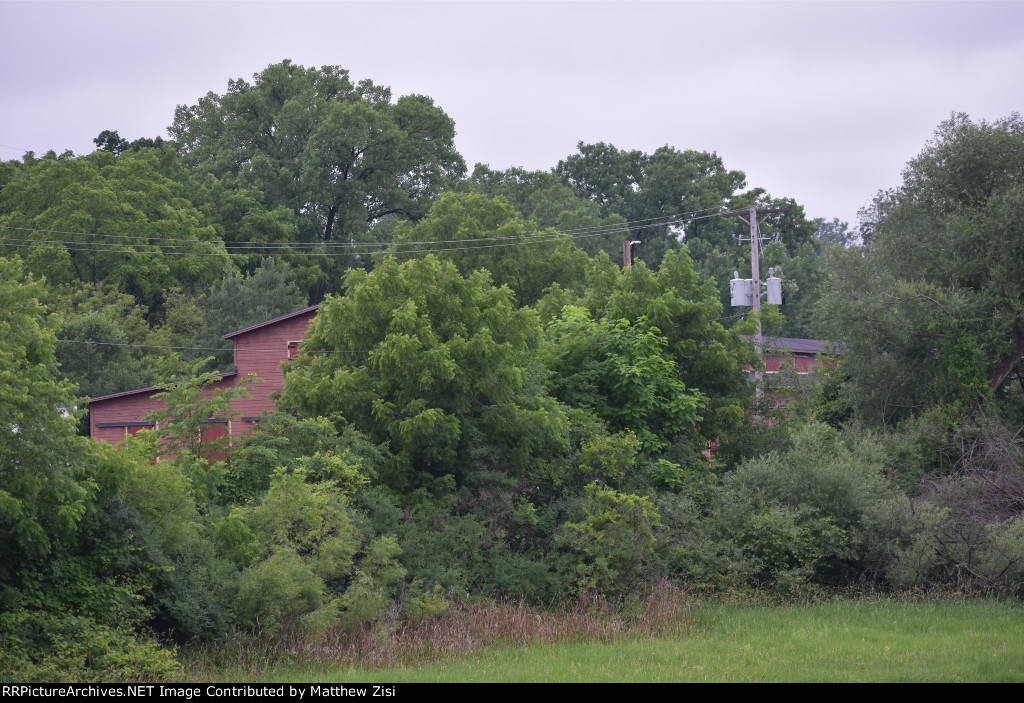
463	630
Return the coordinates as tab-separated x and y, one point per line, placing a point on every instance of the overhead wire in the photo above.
604	228
319	248
215	349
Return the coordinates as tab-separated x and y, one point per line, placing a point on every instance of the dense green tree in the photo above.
834	232
541	197
239	301
94	354
933	312
44	485
125	221
650	187
619	371
110	140
486	233
72	590
339	155
251	230
104	340
822	507
439	365
686	310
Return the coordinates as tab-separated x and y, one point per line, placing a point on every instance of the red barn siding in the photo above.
259	349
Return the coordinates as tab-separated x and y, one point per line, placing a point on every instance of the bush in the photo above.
275	591
40	647
967	527
823	507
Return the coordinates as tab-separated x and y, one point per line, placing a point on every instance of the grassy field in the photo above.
844	640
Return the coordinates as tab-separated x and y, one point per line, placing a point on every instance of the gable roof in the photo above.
801	346
153	389
258	325
796	345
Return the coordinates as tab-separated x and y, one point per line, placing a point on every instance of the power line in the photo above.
609	227
23	151
593	230
216	349
288	249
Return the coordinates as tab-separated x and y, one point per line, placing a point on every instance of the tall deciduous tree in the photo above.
340	155
44	485
686	310
541	197
436	364
125	220
640	186
935	311
478	232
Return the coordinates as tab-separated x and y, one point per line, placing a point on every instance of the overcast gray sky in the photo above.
820	101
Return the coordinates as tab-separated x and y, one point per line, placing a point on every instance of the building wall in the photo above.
259	350
804	362
262	351
111	419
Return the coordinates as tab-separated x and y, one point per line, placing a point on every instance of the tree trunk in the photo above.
1008	363
330	222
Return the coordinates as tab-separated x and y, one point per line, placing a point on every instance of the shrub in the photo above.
823	507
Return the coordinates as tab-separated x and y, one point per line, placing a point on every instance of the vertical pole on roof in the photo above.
627	253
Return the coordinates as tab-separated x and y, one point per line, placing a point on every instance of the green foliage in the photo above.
620	371
280	439
612	541
470	225
340	156
189	406
46	647
72	581
436	365
240	301
110	140
45	483
708	358
138	198
105	333
377	578
311	520
638	186
539	196
822	508
931	312
606	458
965	528
275	591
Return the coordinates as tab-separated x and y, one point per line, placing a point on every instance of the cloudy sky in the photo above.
820	101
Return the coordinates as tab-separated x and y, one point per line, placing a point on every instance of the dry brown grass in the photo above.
466	628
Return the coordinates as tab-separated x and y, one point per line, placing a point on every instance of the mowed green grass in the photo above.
850	640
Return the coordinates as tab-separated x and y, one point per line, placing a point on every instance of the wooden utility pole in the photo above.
755	272
755	282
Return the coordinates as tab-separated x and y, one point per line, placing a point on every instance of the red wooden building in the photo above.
804	354
258	349
262	348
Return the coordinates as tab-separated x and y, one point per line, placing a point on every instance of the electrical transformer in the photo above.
741	291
